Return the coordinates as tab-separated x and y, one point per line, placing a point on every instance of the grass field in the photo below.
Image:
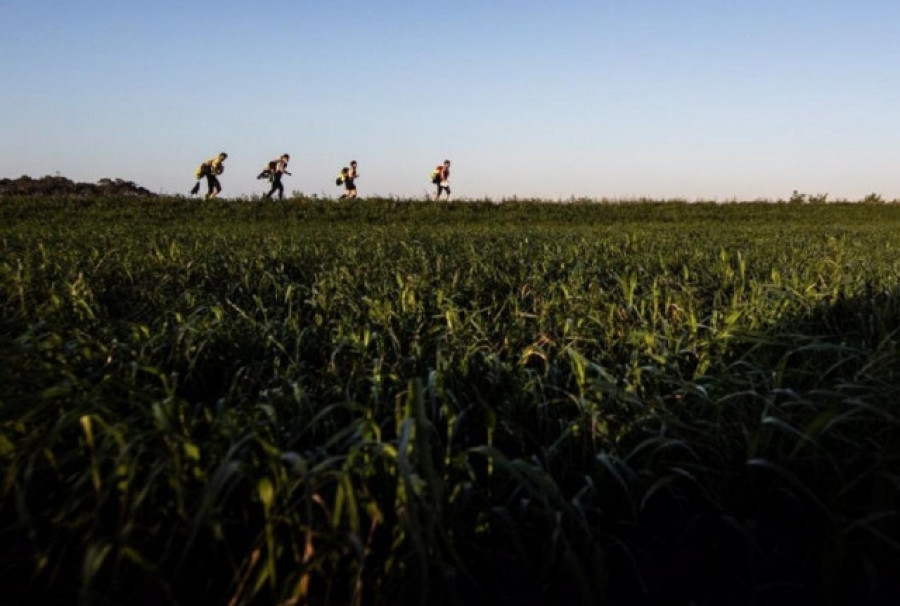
393	402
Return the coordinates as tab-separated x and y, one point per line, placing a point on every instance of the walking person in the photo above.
349	176
440	176
274	171
211	169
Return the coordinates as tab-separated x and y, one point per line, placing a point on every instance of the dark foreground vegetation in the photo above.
409	403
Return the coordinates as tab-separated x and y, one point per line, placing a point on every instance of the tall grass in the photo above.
391	402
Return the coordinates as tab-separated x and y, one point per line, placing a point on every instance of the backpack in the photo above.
201	171
339	180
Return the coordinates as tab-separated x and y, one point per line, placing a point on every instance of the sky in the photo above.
694	99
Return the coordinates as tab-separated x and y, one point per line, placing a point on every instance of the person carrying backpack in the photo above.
210	169
440	176
273	171
348	178
345	172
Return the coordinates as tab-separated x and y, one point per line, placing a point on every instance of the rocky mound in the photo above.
60	186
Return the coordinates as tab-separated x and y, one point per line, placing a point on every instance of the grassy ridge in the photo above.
392	402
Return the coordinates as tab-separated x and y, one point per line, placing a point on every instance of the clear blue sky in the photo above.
658	98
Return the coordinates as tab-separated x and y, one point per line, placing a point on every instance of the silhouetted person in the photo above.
440	176
274	172
349	176
210	169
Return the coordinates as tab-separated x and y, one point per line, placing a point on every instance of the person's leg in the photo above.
212	186
276	185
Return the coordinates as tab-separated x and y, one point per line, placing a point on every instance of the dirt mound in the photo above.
60	186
